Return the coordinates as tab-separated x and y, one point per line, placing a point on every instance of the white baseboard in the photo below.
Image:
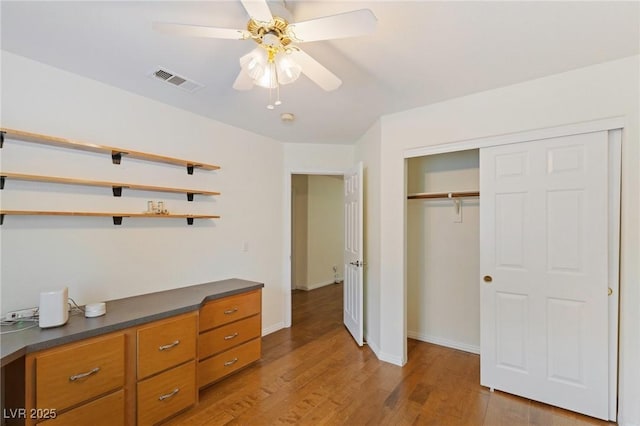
443	342
373	345
273	328
315	285
392	359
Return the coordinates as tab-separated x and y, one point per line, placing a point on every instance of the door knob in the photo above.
487	278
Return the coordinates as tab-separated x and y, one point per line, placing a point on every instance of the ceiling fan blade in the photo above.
316	71
258	10
199	31
243	81
349	24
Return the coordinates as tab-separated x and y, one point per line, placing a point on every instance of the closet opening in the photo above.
443	249
533	268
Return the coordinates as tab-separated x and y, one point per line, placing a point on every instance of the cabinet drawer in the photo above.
106	411
227	362
166	394
232	308
165	344
79	372
230	335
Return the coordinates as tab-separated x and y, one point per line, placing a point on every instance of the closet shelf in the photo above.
454	194
116	153
117	217
115	186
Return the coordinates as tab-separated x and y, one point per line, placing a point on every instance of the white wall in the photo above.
443	254
595	92
367	150
100	261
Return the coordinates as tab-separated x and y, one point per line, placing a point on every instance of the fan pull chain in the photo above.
273	83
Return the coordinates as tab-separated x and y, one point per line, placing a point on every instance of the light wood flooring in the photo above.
314	374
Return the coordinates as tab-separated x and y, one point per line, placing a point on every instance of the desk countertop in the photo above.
121	314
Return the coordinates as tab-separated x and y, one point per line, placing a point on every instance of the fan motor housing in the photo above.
277	27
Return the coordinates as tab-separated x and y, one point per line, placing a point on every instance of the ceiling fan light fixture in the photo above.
270	68
288	70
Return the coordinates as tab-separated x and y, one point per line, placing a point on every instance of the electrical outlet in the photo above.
21	314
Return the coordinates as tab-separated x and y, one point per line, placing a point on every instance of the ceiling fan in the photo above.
277	59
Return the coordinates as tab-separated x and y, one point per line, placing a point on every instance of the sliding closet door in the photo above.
544	267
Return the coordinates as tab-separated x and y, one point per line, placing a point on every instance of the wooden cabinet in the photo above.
77	380
230	331
145	374
166	368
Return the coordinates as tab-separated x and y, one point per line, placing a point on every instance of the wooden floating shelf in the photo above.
117	217
435	195
115	152
115	186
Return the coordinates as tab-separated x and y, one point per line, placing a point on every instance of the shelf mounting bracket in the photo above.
189	221
189	196
116	157
117	220
190	169
2	178
117	191
1	219
1	139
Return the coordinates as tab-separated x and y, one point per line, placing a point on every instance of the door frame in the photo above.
286	267
614	126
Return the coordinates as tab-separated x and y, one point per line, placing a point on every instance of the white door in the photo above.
353	254
544	239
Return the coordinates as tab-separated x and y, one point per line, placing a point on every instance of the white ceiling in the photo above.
422	52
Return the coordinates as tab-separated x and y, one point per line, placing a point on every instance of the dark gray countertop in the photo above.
121	314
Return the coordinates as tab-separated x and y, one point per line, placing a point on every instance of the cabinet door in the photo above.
221	365
105	411
229	309
166	394
78	372
222	338
165	344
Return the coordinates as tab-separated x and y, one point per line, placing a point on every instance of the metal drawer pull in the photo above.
231	311
83	375
168	395
231	336
169	346
233	361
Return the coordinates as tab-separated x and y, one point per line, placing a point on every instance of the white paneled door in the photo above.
544	266
353	254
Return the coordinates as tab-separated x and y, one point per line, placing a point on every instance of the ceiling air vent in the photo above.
176	80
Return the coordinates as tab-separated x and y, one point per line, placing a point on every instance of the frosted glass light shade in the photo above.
288	70
266	74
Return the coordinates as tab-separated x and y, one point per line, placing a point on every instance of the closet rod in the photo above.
424	195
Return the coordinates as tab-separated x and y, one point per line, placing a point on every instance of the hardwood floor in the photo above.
314	374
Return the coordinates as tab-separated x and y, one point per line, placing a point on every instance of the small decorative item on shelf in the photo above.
161	209
156	208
